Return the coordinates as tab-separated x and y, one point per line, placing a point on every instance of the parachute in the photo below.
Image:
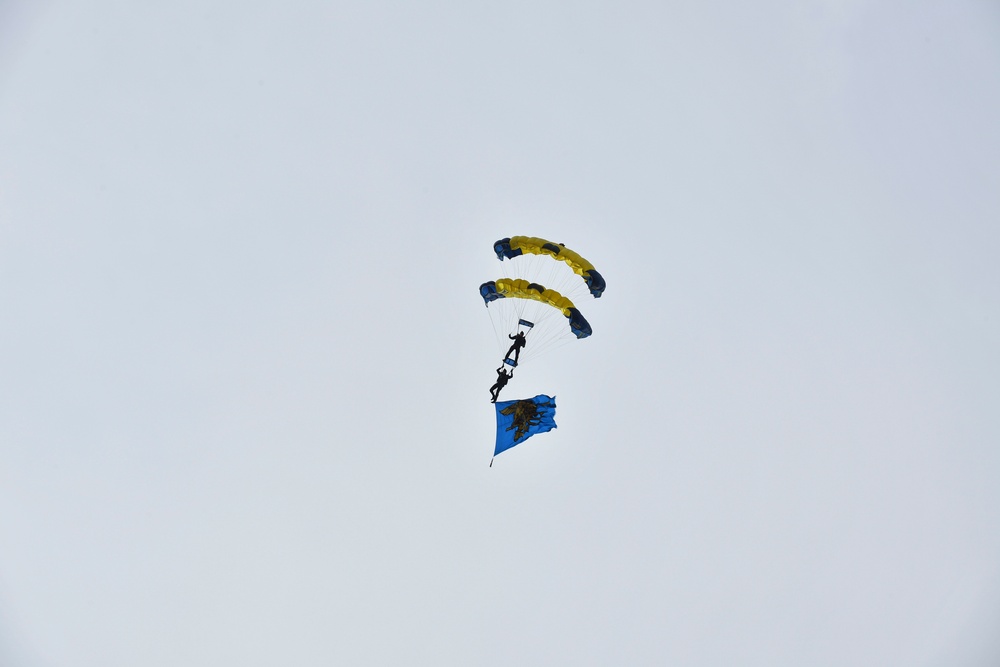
514	288
517	246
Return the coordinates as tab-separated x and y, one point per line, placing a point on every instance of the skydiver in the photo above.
502	378
519	342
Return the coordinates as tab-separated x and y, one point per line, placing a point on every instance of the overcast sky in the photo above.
244	416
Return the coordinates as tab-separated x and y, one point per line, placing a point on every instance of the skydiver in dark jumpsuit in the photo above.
519	342
502	378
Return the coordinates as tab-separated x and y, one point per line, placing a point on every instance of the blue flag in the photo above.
519	420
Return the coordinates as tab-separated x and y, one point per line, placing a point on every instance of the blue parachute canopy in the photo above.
519	420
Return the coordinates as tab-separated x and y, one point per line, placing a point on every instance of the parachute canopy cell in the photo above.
516	246
515	288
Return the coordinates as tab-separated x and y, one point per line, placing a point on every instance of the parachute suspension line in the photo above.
493	321
539	314
503	318
548	340
507	314
551	272
552	328
516	327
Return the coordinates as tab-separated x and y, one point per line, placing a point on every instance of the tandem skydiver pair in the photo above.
502	375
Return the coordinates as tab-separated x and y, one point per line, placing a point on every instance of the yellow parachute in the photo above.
517	246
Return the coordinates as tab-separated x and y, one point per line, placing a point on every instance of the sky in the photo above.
244	366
